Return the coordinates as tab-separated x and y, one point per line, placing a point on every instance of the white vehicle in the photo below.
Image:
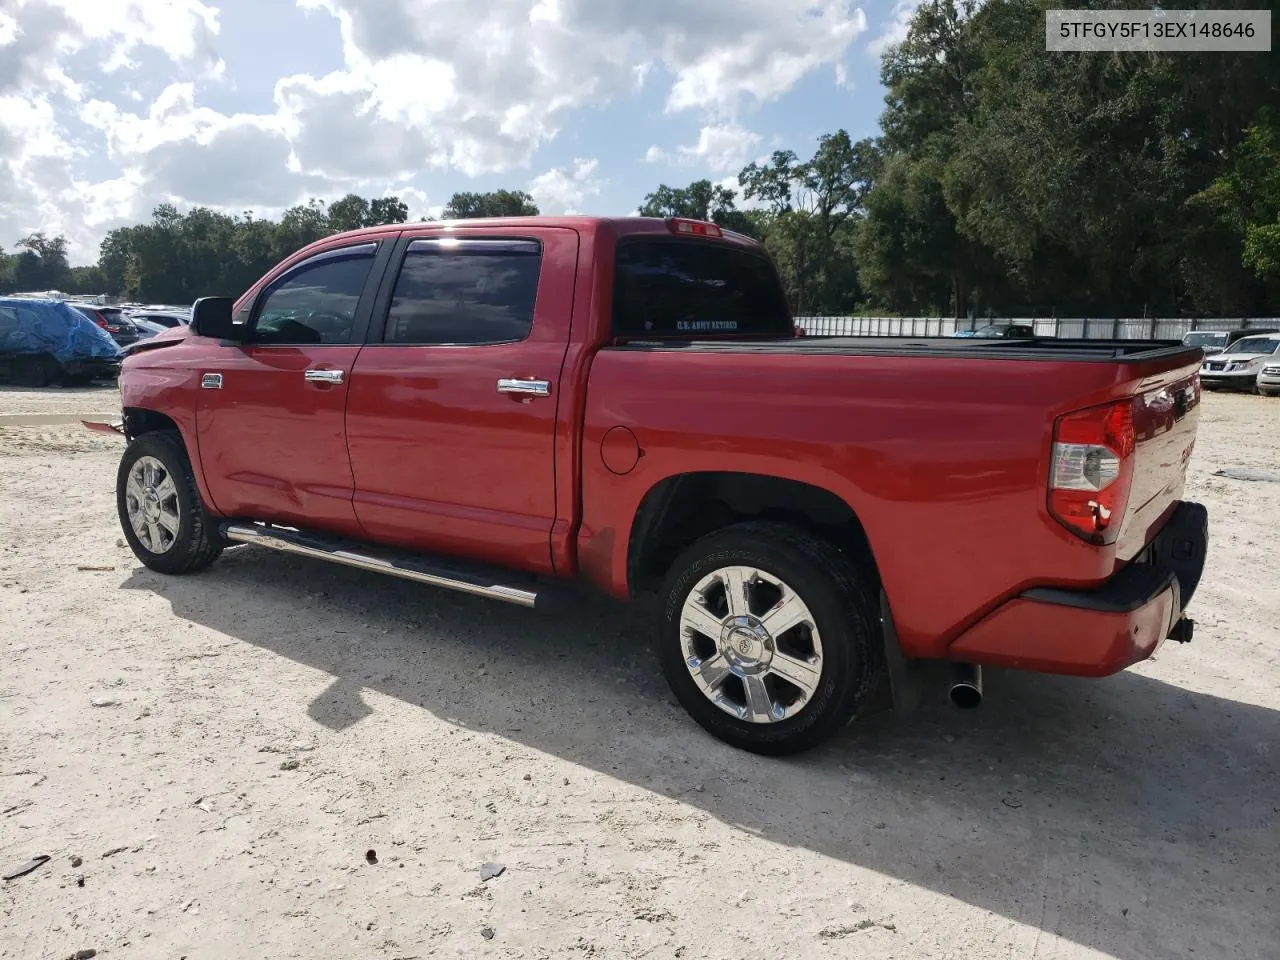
1241	363
1269	378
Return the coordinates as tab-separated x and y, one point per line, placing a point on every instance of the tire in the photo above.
1268	392
848	650
193	542
35	370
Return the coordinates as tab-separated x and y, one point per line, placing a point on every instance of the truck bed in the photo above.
941	446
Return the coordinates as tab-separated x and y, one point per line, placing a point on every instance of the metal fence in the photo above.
1129	328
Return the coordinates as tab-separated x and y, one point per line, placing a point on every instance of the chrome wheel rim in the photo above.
151	502
751	644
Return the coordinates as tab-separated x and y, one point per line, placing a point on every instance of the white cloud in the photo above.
895	31
561	191
655	154
454	88
720	148
42	42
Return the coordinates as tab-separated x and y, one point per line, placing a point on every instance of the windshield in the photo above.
1204	339
1255	345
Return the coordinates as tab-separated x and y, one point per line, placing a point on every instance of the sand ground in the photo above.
209	760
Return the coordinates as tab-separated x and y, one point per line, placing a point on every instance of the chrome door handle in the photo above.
526	388
324	376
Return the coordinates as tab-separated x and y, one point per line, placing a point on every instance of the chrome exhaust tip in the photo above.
965	691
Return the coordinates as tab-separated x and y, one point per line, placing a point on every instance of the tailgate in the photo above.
1165	416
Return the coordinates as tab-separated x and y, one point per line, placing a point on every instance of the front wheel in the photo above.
769	637
159	504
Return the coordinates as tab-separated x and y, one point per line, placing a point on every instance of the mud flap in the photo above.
906	675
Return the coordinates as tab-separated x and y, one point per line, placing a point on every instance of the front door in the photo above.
451	420
270	418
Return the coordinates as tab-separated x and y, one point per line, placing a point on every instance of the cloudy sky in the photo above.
108	107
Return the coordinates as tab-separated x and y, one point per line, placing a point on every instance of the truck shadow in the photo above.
1126	815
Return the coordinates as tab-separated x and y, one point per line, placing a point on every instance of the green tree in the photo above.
43	263
814	207
388	210
498	203
349	213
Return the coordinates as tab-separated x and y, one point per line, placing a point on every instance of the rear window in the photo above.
465	291
667	287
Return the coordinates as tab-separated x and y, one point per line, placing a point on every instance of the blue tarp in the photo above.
52	327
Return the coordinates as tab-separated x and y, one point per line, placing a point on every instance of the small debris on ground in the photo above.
76	861
95	569
113	851
289	765
836	933
79	881
371	856
1249	474
23	869
83	955
487	932
490	870
103	702
528	776
1012	802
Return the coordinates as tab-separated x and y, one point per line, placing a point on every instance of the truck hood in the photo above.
1241	357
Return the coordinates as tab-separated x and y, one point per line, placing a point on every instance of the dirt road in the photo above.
226	755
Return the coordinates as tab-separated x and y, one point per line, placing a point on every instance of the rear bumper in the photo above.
1095	633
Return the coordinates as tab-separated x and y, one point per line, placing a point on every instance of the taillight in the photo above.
1092	470
101	321
693	228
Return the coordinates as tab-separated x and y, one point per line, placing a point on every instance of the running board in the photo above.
420	568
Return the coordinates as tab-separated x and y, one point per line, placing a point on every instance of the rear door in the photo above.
270	415
451	418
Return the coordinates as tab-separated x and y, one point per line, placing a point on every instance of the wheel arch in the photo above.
680	509
139	421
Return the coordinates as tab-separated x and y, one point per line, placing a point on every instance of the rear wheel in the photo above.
160	510
769	637
35	370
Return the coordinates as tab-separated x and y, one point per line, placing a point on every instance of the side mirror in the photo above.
211	317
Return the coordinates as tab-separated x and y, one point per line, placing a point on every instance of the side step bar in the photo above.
408	566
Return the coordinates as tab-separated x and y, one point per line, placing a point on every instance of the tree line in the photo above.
1004	179
180	256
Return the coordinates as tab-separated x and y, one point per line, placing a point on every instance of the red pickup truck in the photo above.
499	406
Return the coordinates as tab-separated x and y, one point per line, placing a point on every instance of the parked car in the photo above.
1010	330
1240	364
502	406
44	341
1215	341
148	328
1269	378
110	319
164	318
995	330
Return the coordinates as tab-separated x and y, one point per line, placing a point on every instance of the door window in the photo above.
455	291
316	301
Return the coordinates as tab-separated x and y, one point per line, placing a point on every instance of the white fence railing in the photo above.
1129	328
